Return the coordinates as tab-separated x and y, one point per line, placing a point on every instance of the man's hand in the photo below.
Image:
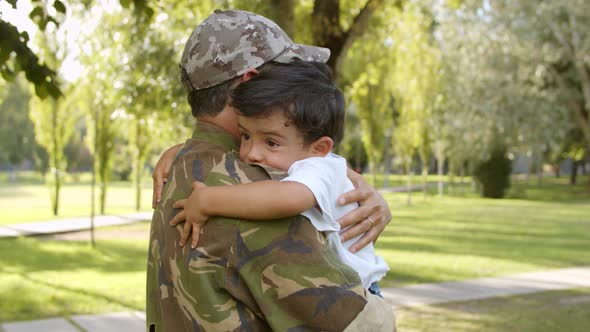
370	218
160	174
194	214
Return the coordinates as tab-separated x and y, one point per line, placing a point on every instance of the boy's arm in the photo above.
260	200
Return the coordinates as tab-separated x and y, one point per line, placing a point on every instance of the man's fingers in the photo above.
186	232
352	196
178	218
196	235
365	240
356	230
352	217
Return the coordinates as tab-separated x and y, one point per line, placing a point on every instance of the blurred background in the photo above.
450	103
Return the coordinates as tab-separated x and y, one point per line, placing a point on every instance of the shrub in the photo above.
493	174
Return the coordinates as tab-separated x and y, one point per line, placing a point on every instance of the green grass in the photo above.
28	199
462	236
41	279
455	237
541	312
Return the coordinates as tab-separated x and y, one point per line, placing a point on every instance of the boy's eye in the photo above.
272	143
245	137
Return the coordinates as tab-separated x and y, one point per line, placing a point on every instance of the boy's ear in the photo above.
322	146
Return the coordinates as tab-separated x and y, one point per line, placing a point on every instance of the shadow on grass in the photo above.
73	290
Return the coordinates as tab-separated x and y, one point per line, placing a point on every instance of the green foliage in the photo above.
368	86
16	55
17	137
493	174
416	83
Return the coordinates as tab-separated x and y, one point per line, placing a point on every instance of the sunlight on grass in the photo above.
30	202
462	236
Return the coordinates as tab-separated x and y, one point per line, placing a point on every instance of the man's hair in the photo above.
211	101
304	91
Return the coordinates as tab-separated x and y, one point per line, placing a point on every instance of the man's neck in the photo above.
226	120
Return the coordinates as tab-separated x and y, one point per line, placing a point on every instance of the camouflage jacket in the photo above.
246	275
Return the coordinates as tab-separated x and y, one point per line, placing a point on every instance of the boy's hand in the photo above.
370	217
160	173
193	213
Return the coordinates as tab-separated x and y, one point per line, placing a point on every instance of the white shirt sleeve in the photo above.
326	178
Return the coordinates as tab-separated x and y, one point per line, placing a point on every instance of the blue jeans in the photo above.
375	289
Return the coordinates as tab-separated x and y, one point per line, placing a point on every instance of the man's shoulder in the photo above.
215	165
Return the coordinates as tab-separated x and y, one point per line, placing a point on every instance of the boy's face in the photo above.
272	141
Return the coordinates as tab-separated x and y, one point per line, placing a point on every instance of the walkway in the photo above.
65	225
408	296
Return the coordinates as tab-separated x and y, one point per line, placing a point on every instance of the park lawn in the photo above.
49	278
450	238
541	312
28	201
463	236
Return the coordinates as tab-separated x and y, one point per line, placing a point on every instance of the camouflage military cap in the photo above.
230	42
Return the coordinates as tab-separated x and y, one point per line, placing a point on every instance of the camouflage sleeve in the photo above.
285	273
377	315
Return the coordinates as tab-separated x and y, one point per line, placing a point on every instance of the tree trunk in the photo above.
93	185
374	169
529	168
424	181
452	172
386	162
539	168
56	163
463	166
283	14
138	164
556	170
328	32
574	173
409	173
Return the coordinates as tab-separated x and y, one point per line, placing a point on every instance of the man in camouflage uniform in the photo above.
244	275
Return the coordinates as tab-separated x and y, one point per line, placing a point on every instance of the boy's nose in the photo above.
253	155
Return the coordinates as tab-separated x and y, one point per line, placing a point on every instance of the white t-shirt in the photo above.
327	180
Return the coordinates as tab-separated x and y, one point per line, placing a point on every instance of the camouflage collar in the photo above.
212	134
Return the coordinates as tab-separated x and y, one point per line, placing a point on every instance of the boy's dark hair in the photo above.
211	101
305	91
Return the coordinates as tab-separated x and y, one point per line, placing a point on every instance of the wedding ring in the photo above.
371	221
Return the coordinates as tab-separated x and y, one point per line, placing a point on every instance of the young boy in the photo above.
290	118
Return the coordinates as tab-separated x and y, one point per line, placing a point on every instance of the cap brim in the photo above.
305	53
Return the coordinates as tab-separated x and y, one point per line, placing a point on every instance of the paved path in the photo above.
430	294
70	224
408	296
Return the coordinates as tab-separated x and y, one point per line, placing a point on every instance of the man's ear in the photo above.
322	146
248	75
